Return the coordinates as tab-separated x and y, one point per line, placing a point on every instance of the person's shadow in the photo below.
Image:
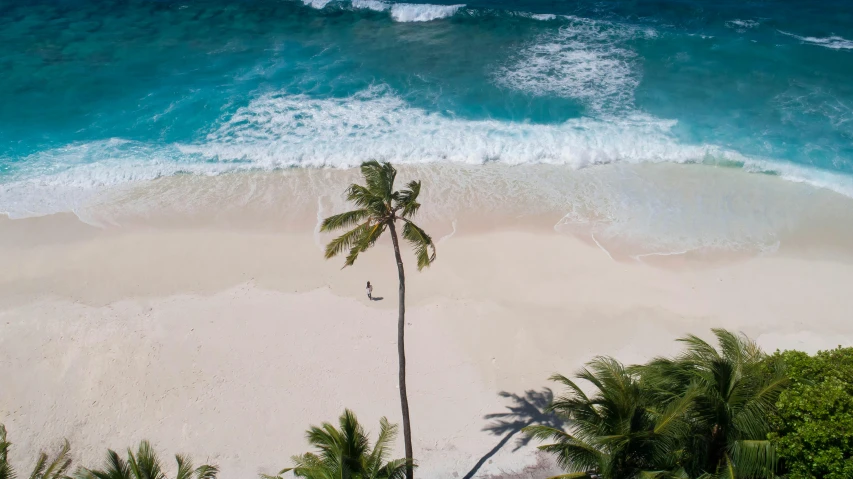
377	298
522	411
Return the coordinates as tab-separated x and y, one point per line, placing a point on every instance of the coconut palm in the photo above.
45	468
731	413
617	432
345	453
145	464
379	207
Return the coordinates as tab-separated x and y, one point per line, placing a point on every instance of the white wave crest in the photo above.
413	12
583	60
543	16
741	25
277	131
833	42
295	130
318	4
374	5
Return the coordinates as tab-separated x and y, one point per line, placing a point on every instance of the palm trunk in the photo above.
401	353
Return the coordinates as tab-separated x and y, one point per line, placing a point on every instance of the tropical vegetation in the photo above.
378	208
45	467
345	452
715	411
814	418
144	464
726	411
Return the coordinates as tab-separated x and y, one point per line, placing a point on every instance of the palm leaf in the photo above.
755	458
56	469
346	240
206	471
39	467
6	469
407	199
344	220
421	242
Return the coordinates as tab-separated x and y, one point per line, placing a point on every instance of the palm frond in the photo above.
344	220
346	241
369	200
395	469
387	434
38	468
379	178
755	458
206	471
6	469
421	242
407	199
114	468
367	239
56	469
145	464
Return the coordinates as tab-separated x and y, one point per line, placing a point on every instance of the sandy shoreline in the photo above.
226	343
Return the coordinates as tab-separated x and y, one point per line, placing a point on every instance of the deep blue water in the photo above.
96	92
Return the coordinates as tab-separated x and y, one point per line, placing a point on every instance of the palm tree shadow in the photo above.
522	411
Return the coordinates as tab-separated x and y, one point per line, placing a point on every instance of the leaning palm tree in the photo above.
379	207
617	432
731	415
144	464
45	468
346	453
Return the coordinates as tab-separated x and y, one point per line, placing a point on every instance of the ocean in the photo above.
97	95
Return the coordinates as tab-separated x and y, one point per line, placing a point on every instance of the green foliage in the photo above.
730	416
346	453
144	464
704	414
379	206
617	432
815	415
45	468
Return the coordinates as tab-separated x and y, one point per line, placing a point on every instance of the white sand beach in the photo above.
226	342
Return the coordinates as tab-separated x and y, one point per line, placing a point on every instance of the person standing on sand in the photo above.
369	291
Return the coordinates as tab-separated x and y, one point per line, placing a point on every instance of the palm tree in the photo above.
380	207
345	453
145	465
54	469
736	393
617	432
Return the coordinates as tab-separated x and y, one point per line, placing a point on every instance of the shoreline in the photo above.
203	338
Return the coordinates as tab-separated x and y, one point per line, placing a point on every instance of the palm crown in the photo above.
730	416
346	453
144	464
378	207
614	433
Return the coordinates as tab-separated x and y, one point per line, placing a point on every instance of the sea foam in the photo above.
277	130
413	12
374	5
833	42
584	59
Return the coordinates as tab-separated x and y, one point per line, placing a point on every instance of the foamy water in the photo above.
763	94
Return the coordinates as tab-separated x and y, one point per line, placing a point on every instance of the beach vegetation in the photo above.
814	420
706	413
145	464
46	467
345	452
379	208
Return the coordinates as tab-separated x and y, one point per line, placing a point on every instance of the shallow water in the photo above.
102	93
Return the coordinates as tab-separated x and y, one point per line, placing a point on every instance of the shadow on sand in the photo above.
522	411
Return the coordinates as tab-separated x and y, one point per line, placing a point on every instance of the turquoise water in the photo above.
99	93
